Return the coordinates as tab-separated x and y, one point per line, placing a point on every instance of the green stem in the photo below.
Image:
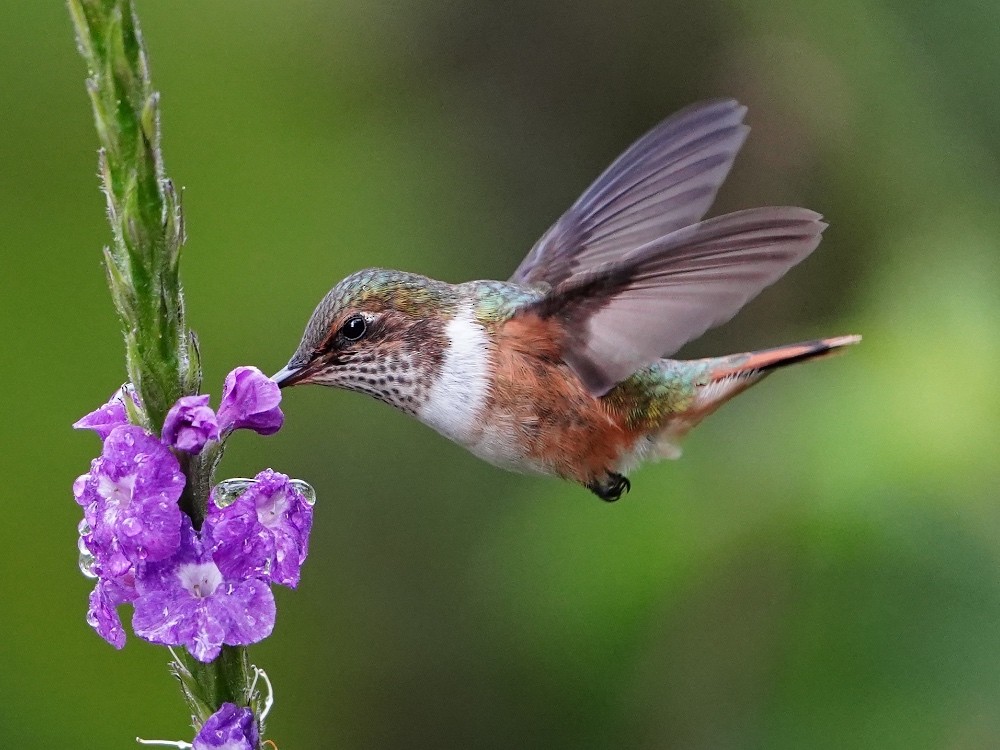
143	208
142	265
228	679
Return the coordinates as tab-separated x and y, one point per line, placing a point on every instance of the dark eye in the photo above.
354	328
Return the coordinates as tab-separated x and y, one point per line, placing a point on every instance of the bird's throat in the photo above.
455	400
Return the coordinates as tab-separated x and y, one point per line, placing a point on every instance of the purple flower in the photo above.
250	401
230	728
271	521
130	501
102	615
190	424
188	600
112	414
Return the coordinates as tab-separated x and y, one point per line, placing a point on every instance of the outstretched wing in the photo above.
666	180
623	315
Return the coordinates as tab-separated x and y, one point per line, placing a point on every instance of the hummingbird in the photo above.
562	369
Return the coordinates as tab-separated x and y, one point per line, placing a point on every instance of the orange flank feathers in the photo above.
561	426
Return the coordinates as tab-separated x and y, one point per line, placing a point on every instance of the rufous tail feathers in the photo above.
730	376
766	360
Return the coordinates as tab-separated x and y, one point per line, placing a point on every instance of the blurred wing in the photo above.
625	314
666	180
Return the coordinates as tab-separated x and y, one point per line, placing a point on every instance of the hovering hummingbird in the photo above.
560	370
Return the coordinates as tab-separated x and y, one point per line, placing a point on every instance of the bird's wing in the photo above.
666	180
625	314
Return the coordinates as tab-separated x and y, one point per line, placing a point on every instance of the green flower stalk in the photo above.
144	210
196	563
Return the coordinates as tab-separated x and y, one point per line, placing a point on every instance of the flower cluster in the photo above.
197	588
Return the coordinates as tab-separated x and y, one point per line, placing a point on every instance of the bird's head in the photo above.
377	332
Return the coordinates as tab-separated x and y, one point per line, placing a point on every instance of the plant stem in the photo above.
143	208
142	265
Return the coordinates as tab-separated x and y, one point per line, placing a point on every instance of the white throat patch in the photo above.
456	398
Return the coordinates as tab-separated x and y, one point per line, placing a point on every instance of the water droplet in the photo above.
86	560
83	527
306	489
80	485
227	491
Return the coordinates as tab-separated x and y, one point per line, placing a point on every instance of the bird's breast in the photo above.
537	416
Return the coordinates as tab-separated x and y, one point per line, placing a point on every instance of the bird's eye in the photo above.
354	328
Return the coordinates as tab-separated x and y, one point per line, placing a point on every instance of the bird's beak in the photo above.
287	376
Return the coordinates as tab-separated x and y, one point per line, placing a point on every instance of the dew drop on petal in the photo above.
86	560
132	526
306	489
79	485
228	491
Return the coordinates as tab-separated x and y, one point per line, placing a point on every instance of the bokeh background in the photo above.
820	570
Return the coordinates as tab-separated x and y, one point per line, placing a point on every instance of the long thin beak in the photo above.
287	376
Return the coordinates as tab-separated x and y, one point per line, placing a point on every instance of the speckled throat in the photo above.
399	370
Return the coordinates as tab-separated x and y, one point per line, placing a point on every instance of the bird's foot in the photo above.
611	488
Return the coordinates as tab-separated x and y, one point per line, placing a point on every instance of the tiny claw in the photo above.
612	488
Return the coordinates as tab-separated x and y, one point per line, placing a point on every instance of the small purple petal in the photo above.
112	414
240	546
102	615
250	401
203	634
251	611
190	424
161	615
230	728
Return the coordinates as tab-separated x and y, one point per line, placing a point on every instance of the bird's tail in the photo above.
761	362
729	376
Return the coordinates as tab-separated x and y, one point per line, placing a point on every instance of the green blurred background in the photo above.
819	571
